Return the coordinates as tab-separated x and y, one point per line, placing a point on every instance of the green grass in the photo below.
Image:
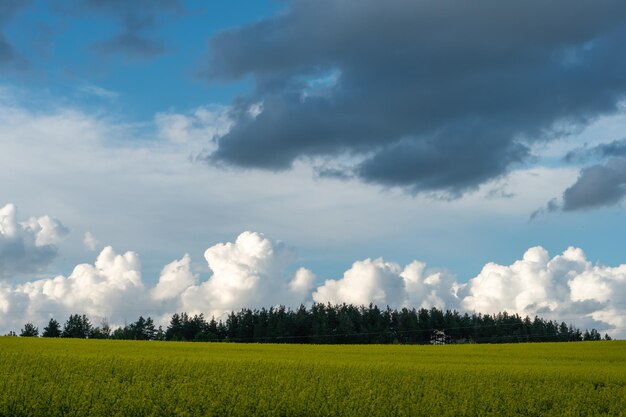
44	377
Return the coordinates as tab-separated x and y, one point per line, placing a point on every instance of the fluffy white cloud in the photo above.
368	281
110	288
28	246
252	272
606	286
520	287
426	289
386	283
249	272
302	283
567	287
175	278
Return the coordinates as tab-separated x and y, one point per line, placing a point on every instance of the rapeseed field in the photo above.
70	377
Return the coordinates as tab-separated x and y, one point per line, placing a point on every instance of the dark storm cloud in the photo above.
597	186
135	19
9	57
453	161
430	95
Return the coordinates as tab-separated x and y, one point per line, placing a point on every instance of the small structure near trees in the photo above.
439	338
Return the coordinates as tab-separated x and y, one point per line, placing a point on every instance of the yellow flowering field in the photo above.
72	377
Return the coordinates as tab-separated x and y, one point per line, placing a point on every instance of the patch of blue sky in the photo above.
63	59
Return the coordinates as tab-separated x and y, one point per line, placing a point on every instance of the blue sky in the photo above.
456	135
59	48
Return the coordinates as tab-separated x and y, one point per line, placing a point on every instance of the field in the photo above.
61	377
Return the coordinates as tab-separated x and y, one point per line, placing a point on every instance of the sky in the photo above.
169	155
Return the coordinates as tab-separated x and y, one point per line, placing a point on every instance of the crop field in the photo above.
61	377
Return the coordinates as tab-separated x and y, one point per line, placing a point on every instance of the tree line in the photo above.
330	324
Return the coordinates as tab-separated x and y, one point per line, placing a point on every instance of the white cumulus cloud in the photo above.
302	283
249	272
566	287
367	281
387	283
427	289
110	288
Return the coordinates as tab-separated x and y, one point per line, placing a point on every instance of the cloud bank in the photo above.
252	272
425	95
28	246
249	272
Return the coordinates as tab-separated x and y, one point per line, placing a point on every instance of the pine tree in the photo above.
77	326
29	330
53	329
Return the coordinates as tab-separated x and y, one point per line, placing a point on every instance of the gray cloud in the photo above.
135	20
552	206
600	184
9	57
597	186
453	161
27	247
617	148
427	95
